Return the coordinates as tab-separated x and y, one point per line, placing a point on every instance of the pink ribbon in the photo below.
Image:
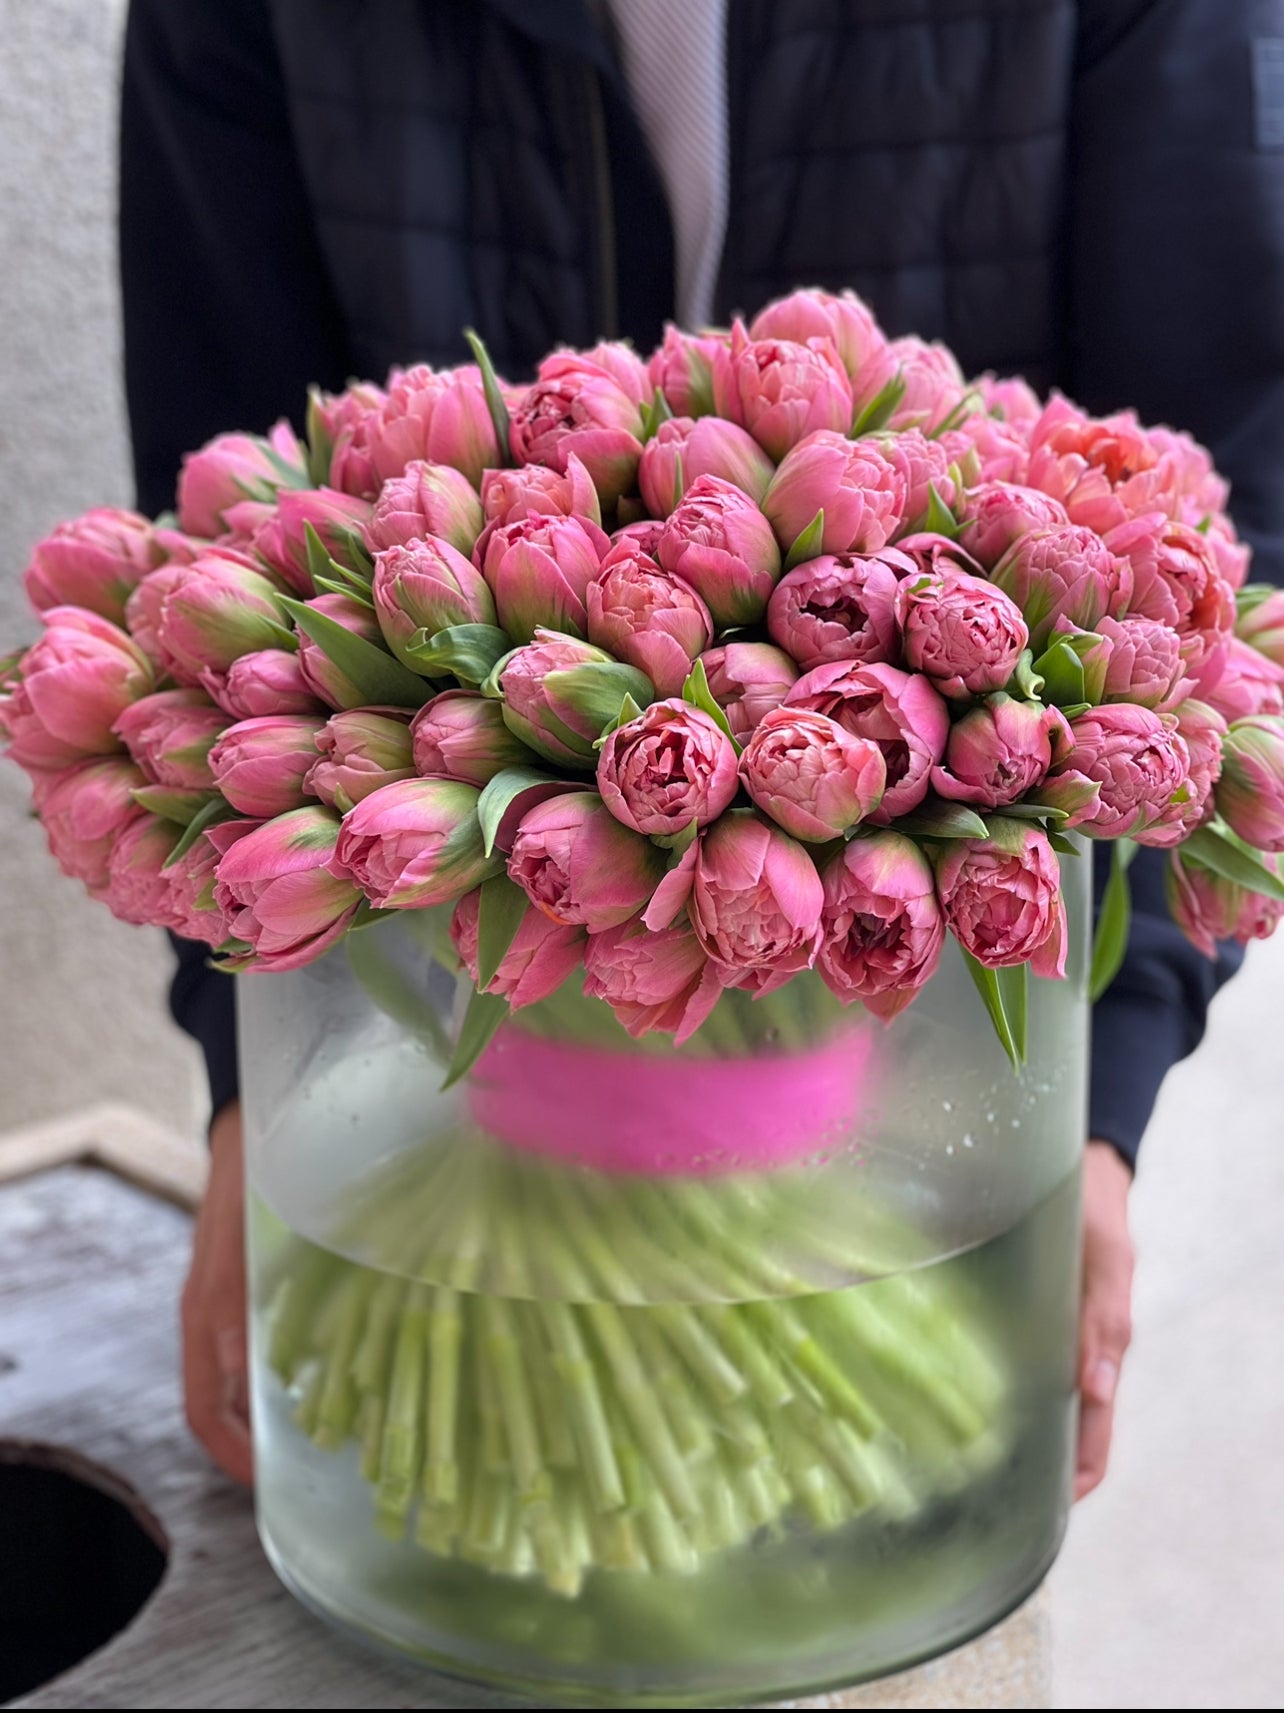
691	1117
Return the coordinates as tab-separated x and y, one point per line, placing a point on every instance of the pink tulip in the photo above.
93	561
985	449
686	448
577	406
966	635
652	981
1140	764
1203	731
840	607
169	735
319	672
415	844
535	491
426	500
682	368
1250	792
996	515
1104	471
277	890
861	492
862	346
1194	477
1177	581
1064	572
218	608
813	778
625	368
461	735
266	681
925	464
999	751
1144	662
1233	556
1207	907
138	888
361	749
669	767
642	614
577	864
753	897
933	382
84	809
281	540
1010	398
1244	682
642	536
260	765
191	881
747	680
899	711
427	586
343	419
781	391
144	607
1262	627
555	692
1002	897
883	929
72	685
721	544
542	956
538	570
232	467
434	416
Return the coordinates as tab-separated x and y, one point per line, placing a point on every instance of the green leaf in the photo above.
503	906
879	409
380	679
1110	941
326	571
1026	684
656	412
360	561
807	543
485	1013
180	806
353	591
466	652
490	386
678	843
943	821
1250	597
967	406
629	710
1059	842
1215	847
940	519
499	794
320	445
1032	812
696	691
218	809
1005	1000
1061	669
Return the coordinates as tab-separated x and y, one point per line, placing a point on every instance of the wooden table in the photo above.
91	1267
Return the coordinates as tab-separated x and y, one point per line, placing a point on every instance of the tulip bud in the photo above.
260	765
860	491
427	586
1143	664
577	406
535	491
1262	627
538	570
144	606
94	561
427	500
559	694
862	346
415	844
652	981
996	515
461	735
277	888
933	383
642	615
682	369
966	635
543	953
686	448
580	866
281	541
361	749
84	809
721	544
169	734
1238	681
813	778
883	929
71	687
899	711
267	681
781	391
217	609
427	415
326	681
138	888
840	607
1066	572
668	768
1250	792
747	680
1207	907
1176	578
1140	765
232	467
999	751
1001	897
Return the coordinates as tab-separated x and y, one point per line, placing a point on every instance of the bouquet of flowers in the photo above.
717	689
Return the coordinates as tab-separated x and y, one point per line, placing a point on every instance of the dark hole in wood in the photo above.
80	1555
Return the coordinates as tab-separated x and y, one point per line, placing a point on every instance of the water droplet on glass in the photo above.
947	1106
968	1141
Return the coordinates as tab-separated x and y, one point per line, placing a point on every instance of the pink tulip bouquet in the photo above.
708	694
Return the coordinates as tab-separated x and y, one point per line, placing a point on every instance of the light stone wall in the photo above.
82	997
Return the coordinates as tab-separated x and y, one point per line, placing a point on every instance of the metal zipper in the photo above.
608	280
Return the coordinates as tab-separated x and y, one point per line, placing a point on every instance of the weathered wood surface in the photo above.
90	1271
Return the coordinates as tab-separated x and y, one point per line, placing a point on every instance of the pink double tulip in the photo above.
925	464
327	682
281	539
266	681
862	494
899	711
933	383
995	515
1010	399
813	778
999	751
1250	792
533	490
71	687
543	953
556	692
651	980
462	735
1262	627
682	369
1143	662
882	926
670	767
434	416
862	346
361	749
342	419
93	561
144	607
1002	897
753	898
1064	572
985	449
414	844
169	734
576	862
427	585
781	391
277	889
686	448
191	879
1139	763
427	500
1238	681
139	889
576	406
840	607
1207	907
260	765
215	610
747	680
718	541
231	467
538	570
1103	470
644	615
966	635
1176	579
84	809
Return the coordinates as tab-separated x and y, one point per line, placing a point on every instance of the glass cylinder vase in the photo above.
628	1373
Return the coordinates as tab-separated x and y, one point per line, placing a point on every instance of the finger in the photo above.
211	1413
1096	1428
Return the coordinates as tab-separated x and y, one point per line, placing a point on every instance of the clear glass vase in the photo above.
631	1374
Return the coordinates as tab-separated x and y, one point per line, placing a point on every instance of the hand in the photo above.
215	1365
1106	1324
